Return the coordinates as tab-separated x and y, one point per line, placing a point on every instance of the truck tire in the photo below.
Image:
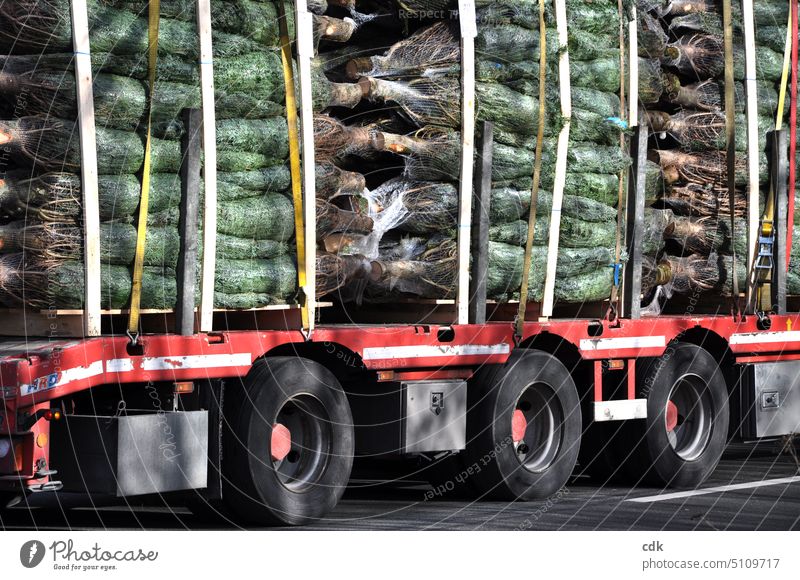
524	427
682	440
289	443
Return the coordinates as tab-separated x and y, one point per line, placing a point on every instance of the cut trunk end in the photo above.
358	67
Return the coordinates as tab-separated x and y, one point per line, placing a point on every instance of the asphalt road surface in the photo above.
754	488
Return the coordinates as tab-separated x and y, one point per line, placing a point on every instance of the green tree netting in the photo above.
575	233
34	25
582	275
275	277
59	196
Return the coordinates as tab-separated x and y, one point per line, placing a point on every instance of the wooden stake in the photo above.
88	146
559	185
209	167
305	52
469	30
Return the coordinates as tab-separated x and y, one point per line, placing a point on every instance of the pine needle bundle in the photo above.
45	25
61	241
696	131
333	140
431	207
705	200
699	56
331	219
335	272
332	182
431	275
696	236
431	49
705	167
424	101
59	196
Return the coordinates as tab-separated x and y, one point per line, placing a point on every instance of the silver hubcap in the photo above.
538	446
689	417
309	425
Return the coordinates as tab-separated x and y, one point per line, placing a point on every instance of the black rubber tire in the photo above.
495	393
253	488
644	450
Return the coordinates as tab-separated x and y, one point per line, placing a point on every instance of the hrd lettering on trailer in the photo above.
41	384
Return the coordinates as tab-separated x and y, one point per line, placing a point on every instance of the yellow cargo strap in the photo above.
764	278
294	155
141	234
537	174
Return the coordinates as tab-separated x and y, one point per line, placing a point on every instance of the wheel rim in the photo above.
537	425
300	442
688	417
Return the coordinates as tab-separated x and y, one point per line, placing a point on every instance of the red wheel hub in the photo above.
518	426
281	442
672	416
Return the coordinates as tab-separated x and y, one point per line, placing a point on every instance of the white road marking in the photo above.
719	489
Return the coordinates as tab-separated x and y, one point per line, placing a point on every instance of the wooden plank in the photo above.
751	91
305	52
634	227
633	66
88	147
187	224
780	179
469	30
565	90
209	167
633	63
480	227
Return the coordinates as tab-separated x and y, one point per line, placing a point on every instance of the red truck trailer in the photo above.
266	423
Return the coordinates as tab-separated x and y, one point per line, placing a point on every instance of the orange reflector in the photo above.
18	450
184	388
41	440
385	375
616	365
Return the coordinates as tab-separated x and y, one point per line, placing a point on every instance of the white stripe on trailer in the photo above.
165	363
595	344
61	378
398	352
765	337
719	489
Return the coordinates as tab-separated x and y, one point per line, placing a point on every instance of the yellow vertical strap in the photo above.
138	264
294	154
764	278
537	174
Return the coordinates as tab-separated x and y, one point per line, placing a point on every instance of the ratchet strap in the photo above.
730	140
537	175
141	233
793	31
764	263
294	155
